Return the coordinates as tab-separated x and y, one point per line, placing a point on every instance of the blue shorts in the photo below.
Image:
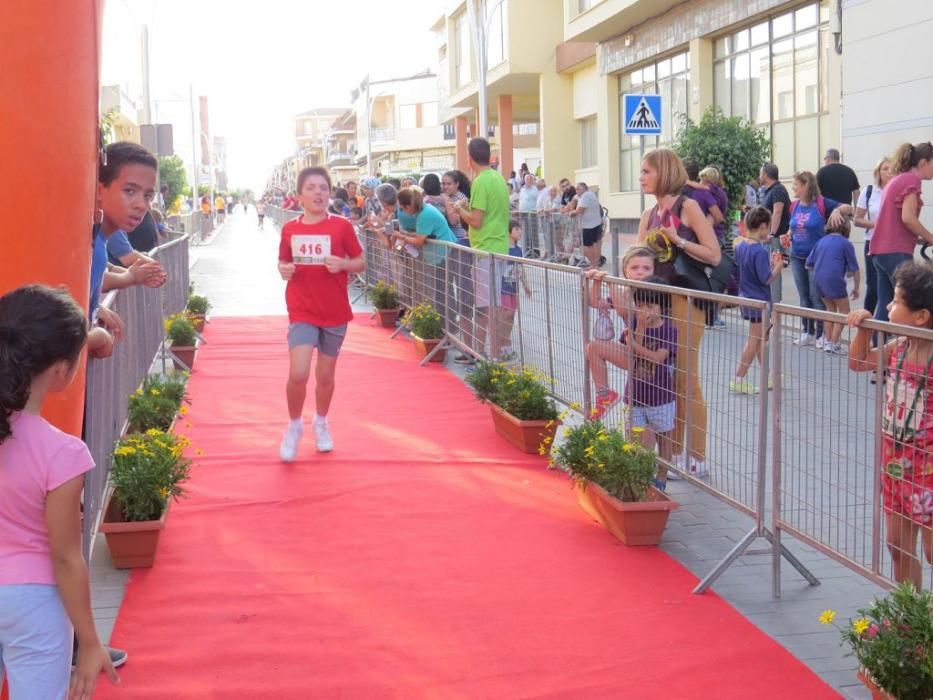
35	641
835	289
327	339
659	418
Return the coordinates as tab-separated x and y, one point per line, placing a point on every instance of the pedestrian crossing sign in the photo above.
642	114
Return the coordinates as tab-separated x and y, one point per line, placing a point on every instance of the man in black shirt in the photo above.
837	181
777	201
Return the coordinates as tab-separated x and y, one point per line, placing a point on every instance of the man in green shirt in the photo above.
488	218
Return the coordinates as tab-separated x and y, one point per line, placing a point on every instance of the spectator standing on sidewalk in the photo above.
316	252
45	597
898	226
866	216
487	215
837	181
456	186
591	221
776	200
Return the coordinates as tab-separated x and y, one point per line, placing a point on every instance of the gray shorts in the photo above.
35	641
327	339
659	418
481	292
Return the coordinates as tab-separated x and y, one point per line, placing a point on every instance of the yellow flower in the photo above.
153	432
860	625
139	392
627	447
638	431
542	450
549	425
164	492
827	617
575	406
594	412
155	392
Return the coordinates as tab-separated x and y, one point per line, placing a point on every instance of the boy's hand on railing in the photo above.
286	270
111	322
855	318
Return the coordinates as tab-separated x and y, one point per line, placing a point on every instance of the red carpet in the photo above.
424	558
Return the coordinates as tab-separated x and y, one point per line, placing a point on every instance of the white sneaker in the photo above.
289	447
698	468
322	438
821	343
804	340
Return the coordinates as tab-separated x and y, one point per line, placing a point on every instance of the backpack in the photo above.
868	191
820	206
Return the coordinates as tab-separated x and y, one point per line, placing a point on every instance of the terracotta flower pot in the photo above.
131	545
186	354
869	682
198	321
426	345
640	523
387	317
526	435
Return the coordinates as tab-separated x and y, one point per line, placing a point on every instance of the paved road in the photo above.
237	272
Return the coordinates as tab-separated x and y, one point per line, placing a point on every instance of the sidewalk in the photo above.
237	272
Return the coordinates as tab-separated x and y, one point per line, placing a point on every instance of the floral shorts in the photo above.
909	494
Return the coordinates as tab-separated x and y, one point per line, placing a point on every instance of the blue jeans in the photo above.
885	265
806	290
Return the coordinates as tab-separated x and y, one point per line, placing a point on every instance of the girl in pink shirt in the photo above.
44	591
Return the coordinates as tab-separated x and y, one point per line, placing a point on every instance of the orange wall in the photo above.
49	58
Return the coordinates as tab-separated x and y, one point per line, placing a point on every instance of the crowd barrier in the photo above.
802	459
110	381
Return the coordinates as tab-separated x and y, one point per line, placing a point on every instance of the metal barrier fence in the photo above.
803	458
552	236
110	381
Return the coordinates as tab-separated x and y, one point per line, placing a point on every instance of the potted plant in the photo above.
156	403
523	411
385	301
613	476
183	341
145	476
427	330
893	642
197	309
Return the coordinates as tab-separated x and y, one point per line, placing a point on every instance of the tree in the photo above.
732	144
172	174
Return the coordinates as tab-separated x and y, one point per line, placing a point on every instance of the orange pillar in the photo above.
460	134
506	142
49	55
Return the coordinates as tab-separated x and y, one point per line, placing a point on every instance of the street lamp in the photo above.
479	27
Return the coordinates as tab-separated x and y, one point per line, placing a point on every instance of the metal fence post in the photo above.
585	306
492	315
547	315
776	476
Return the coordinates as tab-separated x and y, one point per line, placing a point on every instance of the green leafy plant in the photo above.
148	469
593	452
732	144
893	641
384	296
156	402
523	392
198	304
424	322
173	174
180	330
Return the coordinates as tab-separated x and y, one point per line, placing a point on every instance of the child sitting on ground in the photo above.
907	418
649	396
757	270
637	264
832	260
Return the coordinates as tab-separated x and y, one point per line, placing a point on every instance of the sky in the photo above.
260	66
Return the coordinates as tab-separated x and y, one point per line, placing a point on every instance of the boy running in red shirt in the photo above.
316	252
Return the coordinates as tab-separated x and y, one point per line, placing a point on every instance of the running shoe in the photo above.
804	340
604	401
289	447
821	343
742	387
322	438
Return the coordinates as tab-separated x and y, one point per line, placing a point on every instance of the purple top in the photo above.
754	266
658	218
652	383
722	201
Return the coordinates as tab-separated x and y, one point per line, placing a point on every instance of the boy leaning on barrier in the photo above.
907	417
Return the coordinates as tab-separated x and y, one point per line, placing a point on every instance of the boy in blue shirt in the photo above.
832	260
757	267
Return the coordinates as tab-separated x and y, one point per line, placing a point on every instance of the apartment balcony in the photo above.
601	20
335	158
382	135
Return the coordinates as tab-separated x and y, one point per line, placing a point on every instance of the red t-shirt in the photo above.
890	234
314	295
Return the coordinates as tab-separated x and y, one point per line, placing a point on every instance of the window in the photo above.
588	143
462	72
583	5
775	75
669	78
408	116
495	35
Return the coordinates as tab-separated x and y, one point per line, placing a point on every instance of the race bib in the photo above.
310	250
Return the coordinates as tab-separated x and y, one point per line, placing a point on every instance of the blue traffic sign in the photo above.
642	114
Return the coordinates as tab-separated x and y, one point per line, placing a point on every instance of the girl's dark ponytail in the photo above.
39	326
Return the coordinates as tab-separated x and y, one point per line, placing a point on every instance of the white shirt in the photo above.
527	197
873	206
592	214
544	200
